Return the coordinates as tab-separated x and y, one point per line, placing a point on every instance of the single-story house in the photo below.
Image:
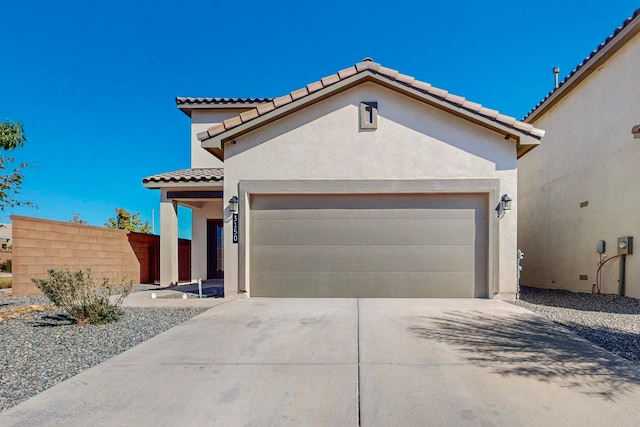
579	193
365	183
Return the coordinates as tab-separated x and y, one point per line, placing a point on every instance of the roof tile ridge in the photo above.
593	53
278	102
251	114
368	65
348	72
219	100
330	79
474	107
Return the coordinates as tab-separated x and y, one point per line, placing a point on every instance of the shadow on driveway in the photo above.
523	345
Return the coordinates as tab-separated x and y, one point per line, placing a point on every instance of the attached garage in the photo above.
369	245
368	183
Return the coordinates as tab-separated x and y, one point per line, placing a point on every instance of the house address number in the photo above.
235	228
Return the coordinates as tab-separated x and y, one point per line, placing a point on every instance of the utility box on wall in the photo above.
625	245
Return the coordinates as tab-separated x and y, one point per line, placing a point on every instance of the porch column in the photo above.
168	241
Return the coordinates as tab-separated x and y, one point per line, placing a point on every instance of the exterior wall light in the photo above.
233	204
636	131
504	205
505	202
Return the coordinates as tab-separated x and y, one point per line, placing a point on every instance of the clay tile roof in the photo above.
187	175
367	65
181	100
586	62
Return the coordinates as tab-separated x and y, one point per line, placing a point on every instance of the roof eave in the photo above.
154	185
239	107
591	65
526	144
187	107
215	143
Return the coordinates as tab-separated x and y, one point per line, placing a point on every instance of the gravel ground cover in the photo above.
610	321
41	349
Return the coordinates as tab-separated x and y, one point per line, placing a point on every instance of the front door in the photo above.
215	249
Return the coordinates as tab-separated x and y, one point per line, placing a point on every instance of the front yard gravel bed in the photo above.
610	321
41	349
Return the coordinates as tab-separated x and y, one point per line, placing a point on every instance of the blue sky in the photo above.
94	82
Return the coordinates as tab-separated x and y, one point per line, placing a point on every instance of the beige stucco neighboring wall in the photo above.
588	155
413	141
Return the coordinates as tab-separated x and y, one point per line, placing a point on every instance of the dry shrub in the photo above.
83	296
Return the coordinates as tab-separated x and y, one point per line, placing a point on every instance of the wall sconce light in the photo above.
504	205
505	201
233	204
636	131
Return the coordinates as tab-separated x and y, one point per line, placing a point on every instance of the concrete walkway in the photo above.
348	362
172	296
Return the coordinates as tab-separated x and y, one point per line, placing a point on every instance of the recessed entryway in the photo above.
215	249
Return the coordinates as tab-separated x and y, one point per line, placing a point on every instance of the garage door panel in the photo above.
384	213
369	245
354	232
379	202
364	258
369	285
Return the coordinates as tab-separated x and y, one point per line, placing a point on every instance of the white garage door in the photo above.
380	245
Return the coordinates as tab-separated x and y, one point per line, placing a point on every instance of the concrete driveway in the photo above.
348	362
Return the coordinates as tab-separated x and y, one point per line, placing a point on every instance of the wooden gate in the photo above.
147	250
184	260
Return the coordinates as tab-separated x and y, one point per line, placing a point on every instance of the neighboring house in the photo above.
582	185
367	183
5	237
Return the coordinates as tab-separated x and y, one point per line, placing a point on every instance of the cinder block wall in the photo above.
41	244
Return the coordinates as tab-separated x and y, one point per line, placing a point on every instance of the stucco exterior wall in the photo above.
587	155
413	141
201	120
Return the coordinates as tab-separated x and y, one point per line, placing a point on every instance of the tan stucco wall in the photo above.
588	154
413	141
201	120
40	245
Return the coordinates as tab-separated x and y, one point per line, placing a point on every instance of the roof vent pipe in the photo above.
556	71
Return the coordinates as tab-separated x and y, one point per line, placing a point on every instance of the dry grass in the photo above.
5	282
10	313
